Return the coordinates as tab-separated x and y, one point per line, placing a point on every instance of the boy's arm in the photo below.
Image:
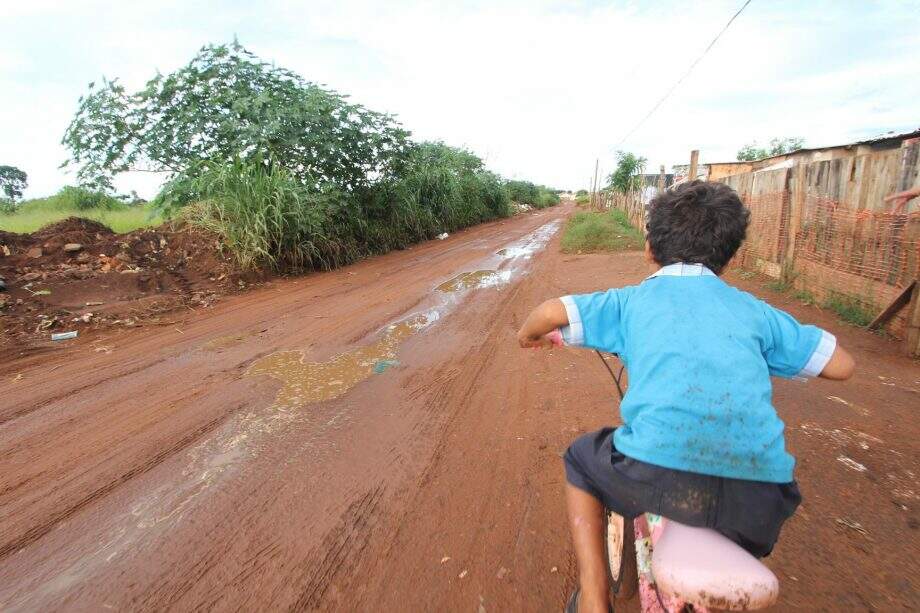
541	321
840	366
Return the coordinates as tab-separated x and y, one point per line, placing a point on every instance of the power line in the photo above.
681	80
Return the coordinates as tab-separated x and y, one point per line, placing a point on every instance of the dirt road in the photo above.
372	439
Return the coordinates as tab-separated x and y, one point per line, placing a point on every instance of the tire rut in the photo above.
37	532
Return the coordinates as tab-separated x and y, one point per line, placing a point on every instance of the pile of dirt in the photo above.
77	274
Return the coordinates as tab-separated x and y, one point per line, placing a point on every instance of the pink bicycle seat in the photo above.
701	566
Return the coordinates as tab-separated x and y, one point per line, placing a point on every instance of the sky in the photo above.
539	89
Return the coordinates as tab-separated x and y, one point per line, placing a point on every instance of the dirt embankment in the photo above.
77	274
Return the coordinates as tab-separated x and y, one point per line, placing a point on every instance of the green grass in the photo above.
803	295
34	214
582	199
778	285
849	309
119	221
589	231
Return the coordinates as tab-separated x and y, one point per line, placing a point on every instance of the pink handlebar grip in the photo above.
555	338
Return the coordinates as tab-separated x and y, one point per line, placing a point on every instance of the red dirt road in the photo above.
362	440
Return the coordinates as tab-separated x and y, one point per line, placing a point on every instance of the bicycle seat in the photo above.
701	566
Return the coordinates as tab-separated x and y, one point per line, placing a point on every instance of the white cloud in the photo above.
538	88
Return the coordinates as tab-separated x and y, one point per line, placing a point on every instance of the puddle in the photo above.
475	279
224	342
515	252
308	382
526	247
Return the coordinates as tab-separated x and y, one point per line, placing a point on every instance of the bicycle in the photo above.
677	568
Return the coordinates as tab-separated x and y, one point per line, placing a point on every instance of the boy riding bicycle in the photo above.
701	442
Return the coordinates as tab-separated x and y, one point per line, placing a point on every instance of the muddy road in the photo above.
372	439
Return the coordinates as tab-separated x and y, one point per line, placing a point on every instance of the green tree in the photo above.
778	146
228	105
12	182
626	177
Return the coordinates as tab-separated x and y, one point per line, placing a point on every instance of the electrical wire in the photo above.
685	75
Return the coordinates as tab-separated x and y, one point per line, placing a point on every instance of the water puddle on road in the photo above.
309	382
531	244
475	279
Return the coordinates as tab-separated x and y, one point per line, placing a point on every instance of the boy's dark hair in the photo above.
699	222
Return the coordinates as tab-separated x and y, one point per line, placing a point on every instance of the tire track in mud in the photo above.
347	542
40	530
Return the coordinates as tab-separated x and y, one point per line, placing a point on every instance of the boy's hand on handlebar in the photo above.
542	342
541	329
546	341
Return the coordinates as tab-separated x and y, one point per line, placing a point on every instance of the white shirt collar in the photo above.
681	269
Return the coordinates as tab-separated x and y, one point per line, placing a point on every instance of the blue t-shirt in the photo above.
699	354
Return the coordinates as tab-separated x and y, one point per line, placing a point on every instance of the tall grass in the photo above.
266	217
34	214
263	216
591	231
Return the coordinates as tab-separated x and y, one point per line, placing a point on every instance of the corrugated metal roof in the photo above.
876	139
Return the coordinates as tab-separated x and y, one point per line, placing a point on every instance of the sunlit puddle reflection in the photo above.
475	279
309	382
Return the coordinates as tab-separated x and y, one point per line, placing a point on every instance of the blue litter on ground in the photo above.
382	365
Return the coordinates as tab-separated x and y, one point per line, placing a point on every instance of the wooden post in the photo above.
694	159
798	192
912	329
661	179
907	176
594	189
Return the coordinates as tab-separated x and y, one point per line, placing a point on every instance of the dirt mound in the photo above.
77	274
73	227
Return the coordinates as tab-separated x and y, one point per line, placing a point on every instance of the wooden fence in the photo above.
823	228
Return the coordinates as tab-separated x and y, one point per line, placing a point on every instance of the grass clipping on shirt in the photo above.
594	232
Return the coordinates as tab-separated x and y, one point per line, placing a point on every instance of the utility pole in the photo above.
694	158
661	179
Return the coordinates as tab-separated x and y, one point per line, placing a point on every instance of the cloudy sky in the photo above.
538	88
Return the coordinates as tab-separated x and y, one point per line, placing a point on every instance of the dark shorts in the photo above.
751	513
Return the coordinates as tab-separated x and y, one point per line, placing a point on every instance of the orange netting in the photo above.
861	260
852	261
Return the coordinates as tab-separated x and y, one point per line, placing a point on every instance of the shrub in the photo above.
82	199
526	192
582	199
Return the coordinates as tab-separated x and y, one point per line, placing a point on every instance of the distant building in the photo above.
711	172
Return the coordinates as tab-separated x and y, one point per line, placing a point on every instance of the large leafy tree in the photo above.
12	182
626	176
778	146
228	105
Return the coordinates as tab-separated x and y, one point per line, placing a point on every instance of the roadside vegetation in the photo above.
290	175
594	231
30	215
528	193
